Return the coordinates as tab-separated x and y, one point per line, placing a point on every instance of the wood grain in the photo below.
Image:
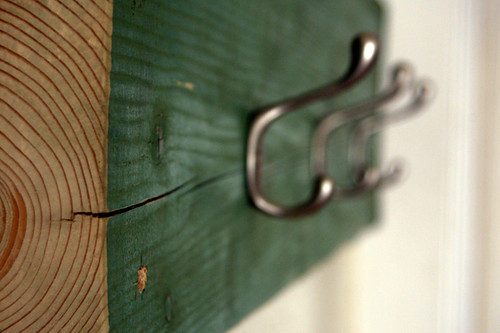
54	89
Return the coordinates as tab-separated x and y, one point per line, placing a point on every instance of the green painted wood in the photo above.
195	70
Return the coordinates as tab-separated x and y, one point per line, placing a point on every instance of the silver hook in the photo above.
367	177
364	53
401	79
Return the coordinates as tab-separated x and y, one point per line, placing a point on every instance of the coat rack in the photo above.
123	126
365	49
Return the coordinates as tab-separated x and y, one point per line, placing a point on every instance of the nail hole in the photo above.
168	308
159	135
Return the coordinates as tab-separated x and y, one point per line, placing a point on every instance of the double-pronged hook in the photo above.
371	120
364	54
368	178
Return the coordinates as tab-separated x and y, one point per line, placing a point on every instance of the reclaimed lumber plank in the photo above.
186	76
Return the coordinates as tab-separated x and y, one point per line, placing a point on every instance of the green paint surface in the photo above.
185	77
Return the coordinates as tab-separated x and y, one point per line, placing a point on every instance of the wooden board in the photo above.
54	90
186	75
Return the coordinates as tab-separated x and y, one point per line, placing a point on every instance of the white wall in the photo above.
432	262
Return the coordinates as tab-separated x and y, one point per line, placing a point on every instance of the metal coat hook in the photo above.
369	177
372	120
364	53
401	79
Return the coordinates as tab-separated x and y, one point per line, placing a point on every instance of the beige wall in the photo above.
489	186
432	263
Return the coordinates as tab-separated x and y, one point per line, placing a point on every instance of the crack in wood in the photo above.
212	180
125	209
144	202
